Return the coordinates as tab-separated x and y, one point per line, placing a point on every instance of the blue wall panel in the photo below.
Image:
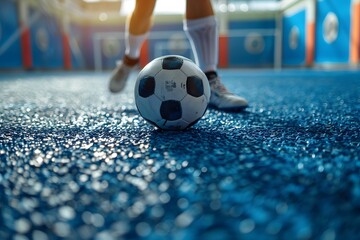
115	45
10	54
87	46
253	48
294	35
167	39
46	42
76	45
338	50
113	48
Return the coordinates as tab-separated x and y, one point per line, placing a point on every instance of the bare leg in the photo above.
140	20
137	28
198	9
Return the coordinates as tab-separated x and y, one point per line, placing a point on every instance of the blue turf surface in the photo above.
79	163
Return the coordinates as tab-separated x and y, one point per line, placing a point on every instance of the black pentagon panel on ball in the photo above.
147	86
172	62
194	86
170	110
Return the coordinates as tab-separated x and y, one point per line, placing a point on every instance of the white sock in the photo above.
133	44
203	36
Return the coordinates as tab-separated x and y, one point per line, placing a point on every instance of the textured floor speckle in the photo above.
79	163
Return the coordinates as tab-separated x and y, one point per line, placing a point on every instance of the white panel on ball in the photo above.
194	106
172	85
150	109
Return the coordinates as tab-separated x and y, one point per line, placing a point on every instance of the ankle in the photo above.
130	61
211	74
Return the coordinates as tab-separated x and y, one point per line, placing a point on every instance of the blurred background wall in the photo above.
89	34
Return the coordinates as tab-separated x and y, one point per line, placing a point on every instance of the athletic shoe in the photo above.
120	75
221	98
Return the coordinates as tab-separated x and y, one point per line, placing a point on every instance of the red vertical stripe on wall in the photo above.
66	51
144	54
25	39
223	51
310	43
355	34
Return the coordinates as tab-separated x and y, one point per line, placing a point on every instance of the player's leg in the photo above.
201	28
136	31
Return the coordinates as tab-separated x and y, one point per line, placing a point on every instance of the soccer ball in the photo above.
172	93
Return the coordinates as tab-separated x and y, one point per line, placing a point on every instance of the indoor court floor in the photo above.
78	162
